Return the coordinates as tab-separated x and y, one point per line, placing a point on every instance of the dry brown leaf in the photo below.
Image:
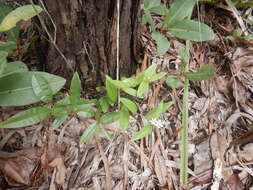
160	169
61	170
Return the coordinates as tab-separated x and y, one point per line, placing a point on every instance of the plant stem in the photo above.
184	131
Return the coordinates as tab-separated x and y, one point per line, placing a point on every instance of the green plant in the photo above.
177	22
237	36
96	109
18	86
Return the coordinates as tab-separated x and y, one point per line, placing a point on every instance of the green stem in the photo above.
184	131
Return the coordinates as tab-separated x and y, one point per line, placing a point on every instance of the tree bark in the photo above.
86	35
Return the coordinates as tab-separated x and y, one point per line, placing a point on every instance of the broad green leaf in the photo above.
206	72
155	112
124	119
16	89
22	13
130	91
104	105
86	113
111	90
8	46
58	121
156	77
162	43
75	90
42	88
160	10
147	19
132	82
26	118
148	4
130	105
3	61
5	10
119	84
110	117
174	81
142	89
13	67
143	132
178	11
89	132
191	30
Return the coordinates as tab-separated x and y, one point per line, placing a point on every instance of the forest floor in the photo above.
220	127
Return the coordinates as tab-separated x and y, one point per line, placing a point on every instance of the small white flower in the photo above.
157	122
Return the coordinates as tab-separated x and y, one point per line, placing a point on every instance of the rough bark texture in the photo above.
86	35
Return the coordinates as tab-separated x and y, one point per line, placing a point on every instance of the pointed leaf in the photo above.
42	88
157	76
89	132
148	4
192	30
26	118
75	90
162	43
130	91
124	119
104	105
111	90
155	112
130	105
206	72
110	117
143	132
178	11
142	89
5	10
58	121
14	67
16	89
22	13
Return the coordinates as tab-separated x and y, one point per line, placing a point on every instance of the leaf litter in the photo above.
220	125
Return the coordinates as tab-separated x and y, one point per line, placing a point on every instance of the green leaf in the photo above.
143	132
16	89
104	105
178	11
184	56
110	117
8	46
111	90
166	106
58	121
162	43
3	61
26	118
156	76
22	13
119	84
13	67
124	119
130	105
155	112
160	10
86	113
75	90
192	30
173	81
142	89
14	32
150	71
147	19
41	88
89	132
148	4
206	72
130	91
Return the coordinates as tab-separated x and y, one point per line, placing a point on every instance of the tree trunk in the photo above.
86	36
